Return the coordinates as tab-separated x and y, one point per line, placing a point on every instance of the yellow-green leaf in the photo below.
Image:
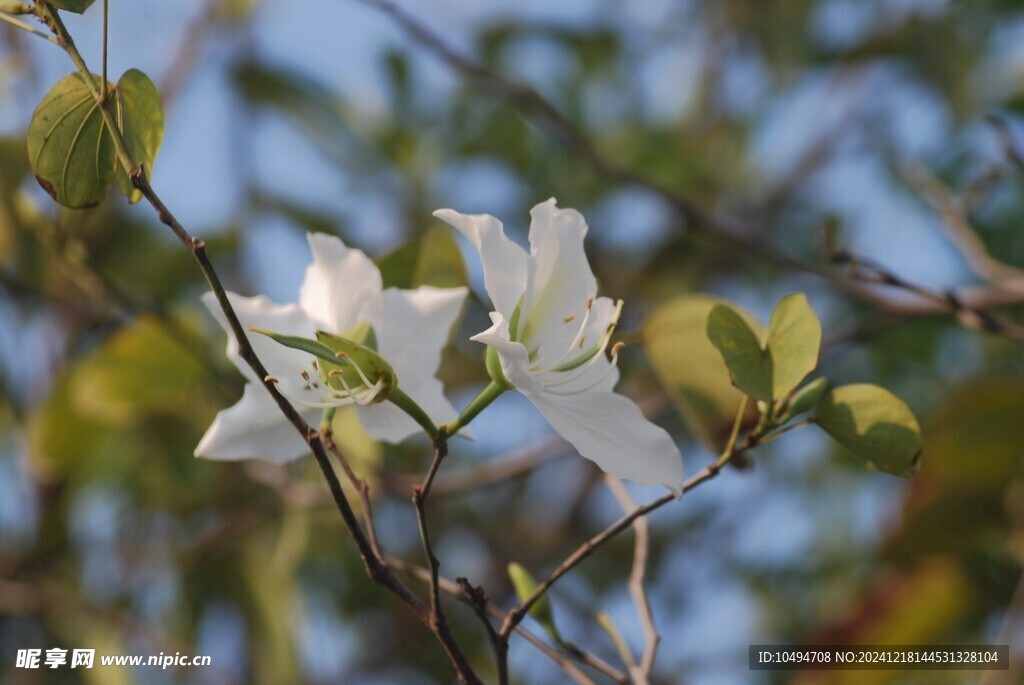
794	338
525	585
140	116
76	6
439	262
750	365
691	369
874	425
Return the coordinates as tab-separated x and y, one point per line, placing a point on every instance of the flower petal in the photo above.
611	431
514	357
281	362
560	281
254	428
505	263
338	284
412	328
387	422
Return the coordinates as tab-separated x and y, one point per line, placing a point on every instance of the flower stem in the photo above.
415	411
492	392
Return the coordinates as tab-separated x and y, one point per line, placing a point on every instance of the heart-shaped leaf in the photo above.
794	338
874	425
750	365
70	149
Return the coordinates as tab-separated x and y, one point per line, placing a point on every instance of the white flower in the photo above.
342	290
551	331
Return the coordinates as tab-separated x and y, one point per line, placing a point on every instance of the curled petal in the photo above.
505	263
560	281
611	431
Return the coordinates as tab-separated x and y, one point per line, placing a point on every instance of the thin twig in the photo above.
641	548
950	301
564	661
438	619
517	613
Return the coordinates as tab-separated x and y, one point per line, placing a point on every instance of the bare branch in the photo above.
642	671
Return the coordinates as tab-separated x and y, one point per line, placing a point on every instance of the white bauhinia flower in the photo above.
551	333
341	293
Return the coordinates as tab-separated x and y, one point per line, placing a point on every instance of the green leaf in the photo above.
140	116
750	366
439	262
397	266
690	367
794	338
76	6
525	585
874	425
69	148
805	399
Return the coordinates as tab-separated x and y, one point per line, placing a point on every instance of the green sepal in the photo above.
493	363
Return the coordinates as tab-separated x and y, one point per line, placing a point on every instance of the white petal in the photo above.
560	281
281	362
412	328
505	263
385	421
611	431
254	428
338	283
515	359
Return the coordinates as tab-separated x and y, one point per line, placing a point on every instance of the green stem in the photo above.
479	403
106	14
730	446
782	431
53	20
415	411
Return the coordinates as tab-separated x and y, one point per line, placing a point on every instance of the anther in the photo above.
617	347
270	379
568	318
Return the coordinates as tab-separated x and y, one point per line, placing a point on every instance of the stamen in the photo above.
362	376
569	318
270	379
572	345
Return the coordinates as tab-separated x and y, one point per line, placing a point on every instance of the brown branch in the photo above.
951	302
564	661
437	620
642	671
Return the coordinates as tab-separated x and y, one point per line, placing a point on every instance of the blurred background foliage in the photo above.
865	121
